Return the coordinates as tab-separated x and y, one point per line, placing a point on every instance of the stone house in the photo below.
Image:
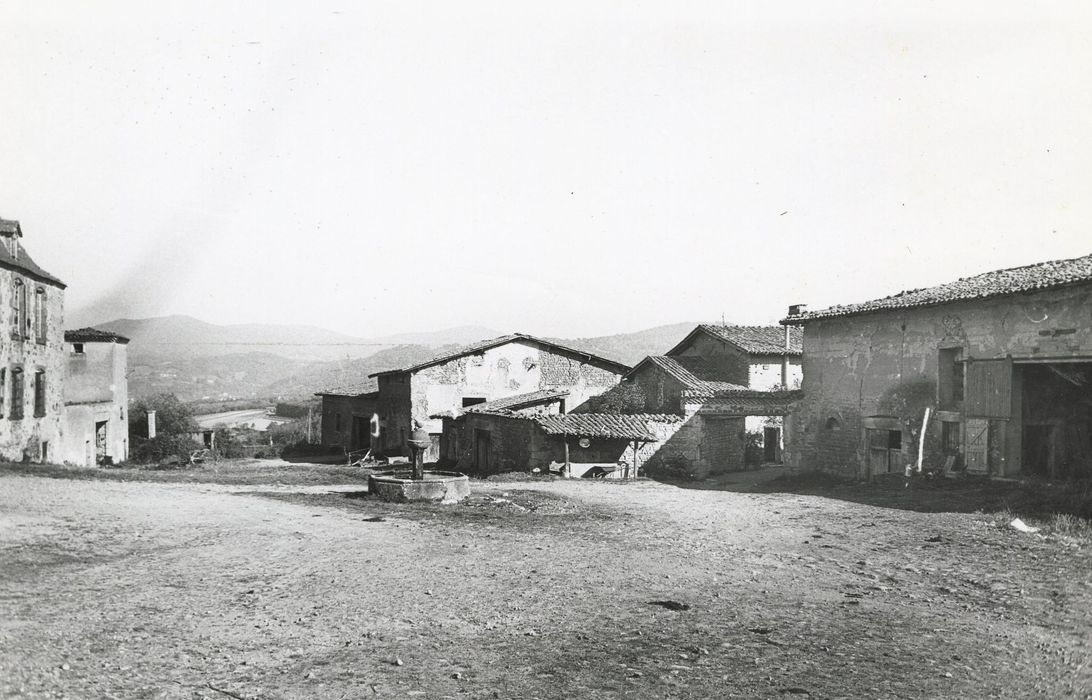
32	356
347	416
485	371
530	432
96	398
1002	361
732	385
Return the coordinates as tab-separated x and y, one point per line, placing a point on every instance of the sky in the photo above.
564	168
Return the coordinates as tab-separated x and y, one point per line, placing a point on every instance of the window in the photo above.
833	424
41	328
950	371
18	309
16	412
39	393
949	436
77	348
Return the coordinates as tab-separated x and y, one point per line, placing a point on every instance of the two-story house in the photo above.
32	356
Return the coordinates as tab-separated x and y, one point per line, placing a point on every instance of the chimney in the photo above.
798	309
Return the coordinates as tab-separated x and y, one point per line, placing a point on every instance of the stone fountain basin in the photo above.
398	487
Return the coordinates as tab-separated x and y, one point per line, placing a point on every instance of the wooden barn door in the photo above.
988	407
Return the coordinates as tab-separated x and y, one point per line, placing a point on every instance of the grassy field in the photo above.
258	580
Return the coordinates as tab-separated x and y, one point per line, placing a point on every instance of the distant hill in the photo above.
176	337
203	361
631	348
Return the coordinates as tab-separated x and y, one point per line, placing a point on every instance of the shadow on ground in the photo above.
1030	498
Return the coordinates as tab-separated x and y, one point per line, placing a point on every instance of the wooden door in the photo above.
976	450
481	450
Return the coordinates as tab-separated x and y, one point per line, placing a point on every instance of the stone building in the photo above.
32	355
530	432
1002	360
96	398
732	385
347	416
491	369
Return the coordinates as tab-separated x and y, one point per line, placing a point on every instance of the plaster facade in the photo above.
96	399
981	367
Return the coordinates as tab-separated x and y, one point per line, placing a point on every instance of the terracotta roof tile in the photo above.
22	262
1044	275
513	403
93	335
362	388
604	425
695	373
758	340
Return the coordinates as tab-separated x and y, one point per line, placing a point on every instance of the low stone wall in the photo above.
398	487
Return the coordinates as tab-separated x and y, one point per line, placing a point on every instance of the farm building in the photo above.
347	415
491	369
96	398
526	436
1002	360
733	385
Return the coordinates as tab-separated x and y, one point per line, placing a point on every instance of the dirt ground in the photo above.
532	589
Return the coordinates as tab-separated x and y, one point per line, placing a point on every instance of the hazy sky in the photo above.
553	168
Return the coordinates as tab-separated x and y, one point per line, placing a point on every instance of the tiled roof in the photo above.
744	393
483	345
695	373
93	335
513	403
1045	275
757	340
604	425
22	262
367	386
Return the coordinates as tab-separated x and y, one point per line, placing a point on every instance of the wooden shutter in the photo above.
989	389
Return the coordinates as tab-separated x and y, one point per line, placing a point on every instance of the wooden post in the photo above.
568	470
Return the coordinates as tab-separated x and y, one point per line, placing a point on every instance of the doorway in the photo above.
884	451
100	442
771	445
482	449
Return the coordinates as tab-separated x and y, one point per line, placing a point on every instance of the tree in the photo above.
174	432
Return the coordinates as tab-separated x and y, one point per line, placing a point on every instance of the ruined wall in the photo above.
31	437
886	365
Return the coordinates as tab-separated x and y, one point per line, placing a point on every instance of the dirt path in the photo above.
532	590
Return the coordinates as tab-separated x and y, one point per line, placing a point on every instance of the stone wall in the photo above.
517	367
880	370
35	354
